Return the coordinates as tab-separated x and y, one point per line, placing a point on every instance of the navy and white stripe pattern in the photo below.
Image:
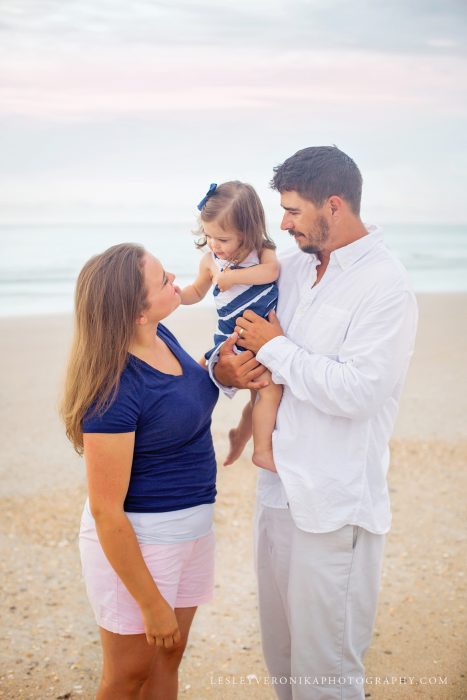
260	298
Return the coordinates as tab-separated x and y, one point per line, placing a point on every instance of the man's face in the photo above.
305	222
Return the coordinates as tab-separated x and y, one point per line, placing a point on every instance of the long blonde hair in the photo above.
110	295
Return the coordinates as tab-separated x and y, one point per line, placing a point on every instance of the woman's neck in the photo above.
145	339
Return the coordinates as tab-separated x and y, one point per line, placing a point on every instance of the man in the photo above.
340	346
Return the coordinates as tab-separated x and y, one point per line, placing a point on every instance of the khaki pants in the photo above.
317	603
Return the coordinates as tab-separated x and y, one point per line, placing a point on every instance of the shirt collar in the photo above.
352	252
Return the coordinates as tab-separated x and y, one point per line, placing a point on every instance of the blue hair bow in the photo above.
209	193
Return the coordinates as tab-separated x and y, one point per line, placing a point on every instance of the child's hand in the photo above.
223	280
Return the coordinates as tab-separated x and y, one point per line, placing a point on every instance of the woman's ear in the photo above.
141	320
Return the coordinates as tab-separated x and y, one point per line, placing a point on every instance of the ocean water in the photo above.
39	263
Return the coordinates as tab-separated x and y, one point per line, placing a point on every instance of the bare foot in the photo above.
238	439
264	459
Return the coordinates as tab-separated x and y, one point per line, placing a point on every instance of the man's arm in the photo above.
230	371
371	362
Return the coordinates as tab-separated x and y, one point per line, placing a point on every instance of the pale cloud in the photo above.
127	110
151	81
410	26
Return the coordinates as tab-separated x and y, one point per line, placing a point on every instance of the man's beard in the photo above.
320	234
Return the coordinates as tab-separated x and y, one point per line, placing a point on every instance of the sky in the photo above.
117	111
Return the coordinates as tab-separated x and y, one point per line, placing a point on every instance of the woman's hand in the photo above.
160	625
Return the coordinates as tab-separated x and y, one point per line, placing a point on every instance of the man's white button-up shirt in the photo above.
342	363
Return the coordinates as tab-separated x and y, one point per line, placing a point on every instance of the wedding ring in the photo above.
241	332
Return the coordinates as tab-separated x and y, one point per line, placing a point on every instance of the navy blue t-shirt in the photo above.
174	466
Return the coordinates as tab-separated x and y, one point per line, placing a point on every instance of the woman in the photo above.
139	408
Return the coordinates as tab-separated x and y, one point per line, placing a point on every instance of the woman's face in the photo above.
163	296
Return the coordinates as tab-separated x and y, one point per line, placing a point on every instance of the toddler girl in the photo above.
242	268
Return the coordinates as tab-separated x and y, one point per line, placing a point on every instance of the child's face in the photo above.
224	244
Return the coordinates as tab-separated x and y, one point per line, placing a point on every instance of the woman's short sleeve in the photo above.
122	414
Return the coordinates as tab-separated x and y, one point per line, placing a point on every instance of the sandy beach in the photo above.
49	641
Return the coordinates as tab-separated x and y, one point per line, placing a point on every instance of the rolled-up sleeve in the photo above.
371	361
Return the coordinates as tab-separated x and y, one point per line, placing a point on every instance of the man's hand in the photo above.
254	331
240	371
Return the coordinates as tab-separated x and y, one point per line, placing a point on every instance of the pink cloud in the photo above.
144	81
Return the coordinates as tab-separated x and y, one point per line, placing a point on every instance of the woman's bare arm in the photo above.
108	466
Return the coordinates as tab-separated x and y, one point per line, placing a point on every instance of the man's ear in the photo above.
335	204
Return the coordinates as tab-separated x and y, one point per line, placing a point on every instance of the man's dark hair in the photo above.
319	172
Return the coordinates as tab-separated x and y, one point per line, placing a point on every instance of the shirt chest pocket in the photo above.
327	330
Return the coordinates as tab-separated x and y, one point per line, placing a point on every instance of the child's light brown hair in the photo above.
235	206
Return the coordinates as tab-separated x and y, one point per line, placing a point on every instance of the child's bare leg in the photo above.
239	436
264	420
